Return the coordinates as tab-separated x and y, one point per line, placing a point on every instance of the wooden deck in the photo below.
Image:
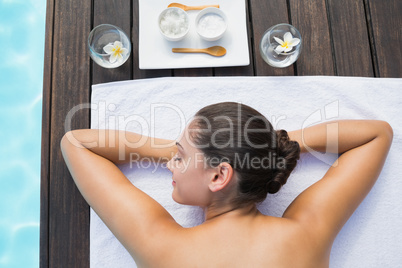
341	37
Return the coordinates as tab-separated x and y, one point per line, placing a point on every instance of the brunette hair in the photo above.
261	157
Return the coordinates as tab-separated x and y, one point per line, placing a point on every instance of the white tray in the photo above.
155	52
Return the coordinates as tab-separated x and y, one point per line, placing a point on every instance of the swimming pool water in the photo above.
22	32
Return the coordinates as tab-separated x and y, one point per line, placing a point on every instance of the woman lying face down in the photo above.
226	161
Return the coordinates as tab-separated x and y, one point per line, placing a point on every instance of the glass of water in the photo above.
109	46
281	45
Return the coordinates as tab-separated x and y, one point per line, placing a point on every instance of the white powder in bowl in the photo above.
173	23
211	25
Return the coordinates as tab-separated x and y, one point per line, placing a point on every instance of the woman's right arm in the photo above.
122	147
325	206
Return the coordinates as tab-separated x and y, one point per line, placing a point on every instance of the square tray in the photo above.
155	52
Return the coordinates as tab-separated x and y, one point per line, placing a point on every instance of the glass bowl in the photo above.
269	43
106	35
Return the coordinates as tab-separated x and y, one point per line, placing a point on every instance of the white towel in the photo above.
161	107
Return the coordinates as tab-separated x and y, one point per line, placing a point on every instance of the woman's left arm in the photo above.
91	156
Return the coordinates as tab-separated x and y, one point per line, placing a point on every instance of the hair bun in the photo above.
288	152
273	186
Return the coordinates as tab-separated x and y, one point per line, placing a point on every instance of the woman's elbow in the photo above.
64	142
70	139
386	133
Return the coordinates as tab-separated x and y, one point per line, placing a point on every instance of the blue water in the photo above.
22	32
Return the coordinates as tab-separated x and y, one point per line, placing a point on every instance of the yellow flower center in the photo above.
285	45
117	50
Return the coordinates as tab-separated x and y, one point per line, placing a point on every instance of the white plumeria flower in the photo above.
287	44
116	51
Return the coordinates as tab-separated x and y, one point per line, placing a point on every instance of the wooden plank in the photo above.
350	38
235	71
385	21
68	211
141	74
265	14
310	18
193	72
117	13
45	148
137	72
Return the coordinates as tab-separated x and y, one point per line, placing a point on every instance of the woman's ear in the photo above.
222	176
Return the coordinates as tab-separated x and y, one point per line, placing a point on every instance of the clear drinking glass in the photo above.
103	35
269	43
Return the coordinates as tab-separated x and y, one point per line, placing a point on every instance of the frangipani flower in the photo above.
287	44
116	51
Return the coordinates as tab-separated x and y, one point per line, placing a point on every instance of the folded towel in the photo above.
161	107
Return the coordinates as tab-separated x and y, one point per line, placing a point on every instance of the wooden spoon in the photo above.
216	51
185	8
